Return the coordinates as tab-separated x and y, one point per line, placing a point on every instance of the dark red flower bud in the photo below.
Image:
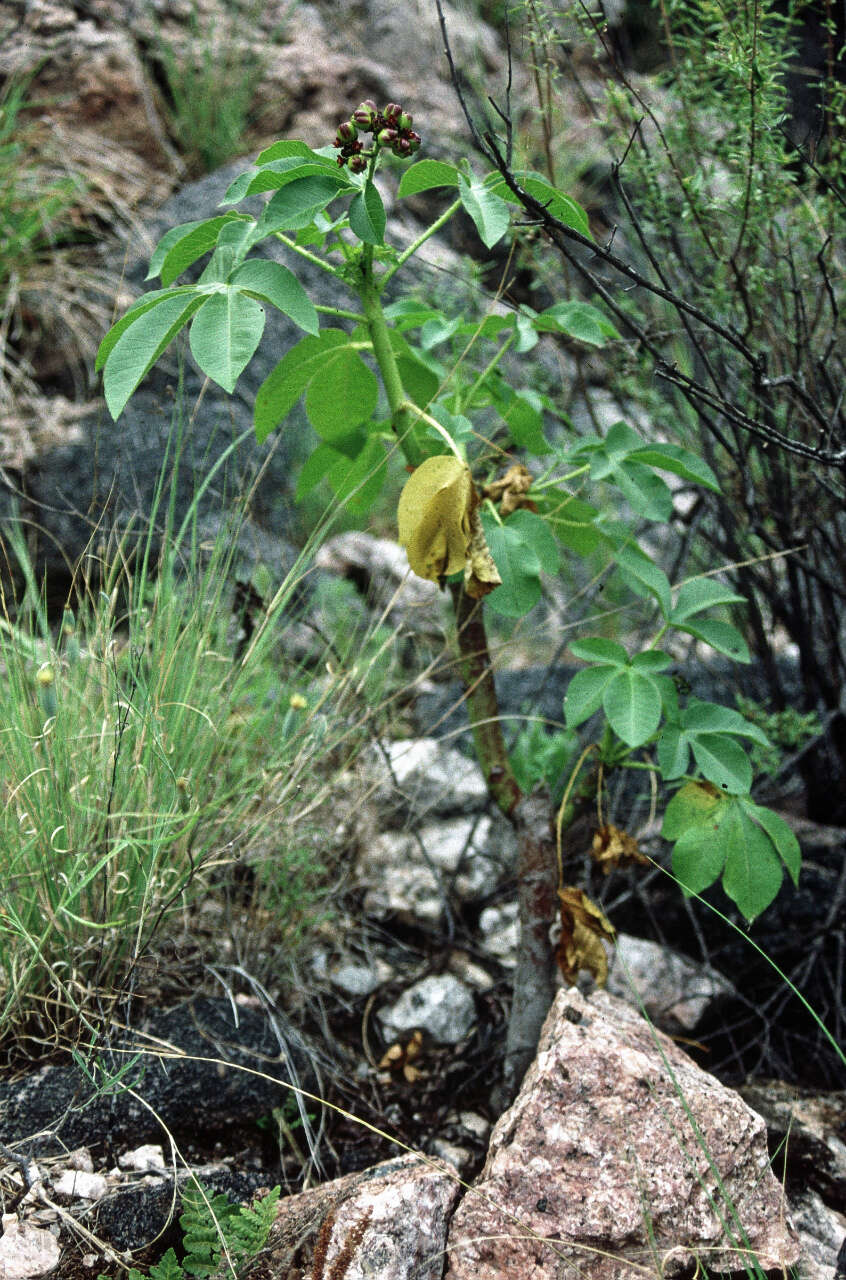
358	164
342	160
402	148
392	113
413	139
387	137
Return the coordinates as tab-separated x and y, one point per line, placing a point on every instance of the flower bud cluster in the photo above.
391	127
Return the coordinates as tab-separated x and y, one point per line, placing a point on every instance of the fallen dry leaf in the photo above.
583	926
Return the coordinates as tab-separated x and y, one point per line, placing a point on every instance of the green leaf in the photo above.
405	313
711	717
274	283
722	760
358	483
167	1267
367	215
140	344
721	636
642	575
521	411
597	649
651	661
298	203
536	534
426	174
632	703
681	462
278	173
224	335
184	244
284	385
784	841
419	382
341	393
557	203
699	856
647	494
145	303
489	213
753	873
288	147
579	320
571	519
694	804
673	752
519	569
699	594
316	467
585	692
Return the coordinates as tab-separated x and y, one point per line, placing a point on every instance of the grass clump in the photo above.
144	751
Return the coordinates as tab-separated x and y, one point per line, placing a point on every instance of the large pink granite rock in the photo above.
619	1157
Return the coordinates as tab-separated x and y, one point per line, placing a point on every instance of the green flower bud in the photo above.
347	132
358	164
387	137
365	114
405	121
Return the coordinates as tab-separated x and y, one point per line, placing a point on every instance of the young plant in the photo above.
486	532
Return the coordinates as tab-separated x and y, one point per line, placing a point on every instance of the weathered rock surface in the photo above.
440	1005
412	874
186	1094
388	1223
424	778
675	991
597	1167
26	1250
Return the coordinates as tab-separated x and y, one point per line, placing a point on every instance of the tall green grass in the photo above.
144	750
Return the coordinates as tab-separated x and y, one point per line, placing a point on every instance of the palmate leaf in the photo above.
183	245
341	393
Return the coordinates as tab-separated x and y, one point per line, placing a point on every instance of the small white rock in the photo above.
78	1183
143	1159
441	1006
80	1159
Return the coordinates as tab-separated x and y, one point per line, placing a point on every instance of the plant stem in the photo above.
421	239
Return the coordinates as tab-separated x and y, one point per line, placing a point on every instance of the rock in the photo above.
500	929
423	778
597	1166
822	1232
80	1184
412	875
379	569
204	1090
440	1005
145	1159
360	979
388	1223
26	1251
673	990
807	1137
135	1215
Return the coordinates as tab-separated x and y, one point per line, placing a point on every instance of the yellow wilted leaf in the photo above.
613	847
583	926
434	516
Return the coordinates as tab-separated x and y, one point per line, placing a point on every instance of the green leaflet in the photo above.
488	211
224	335
140	343
284	385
